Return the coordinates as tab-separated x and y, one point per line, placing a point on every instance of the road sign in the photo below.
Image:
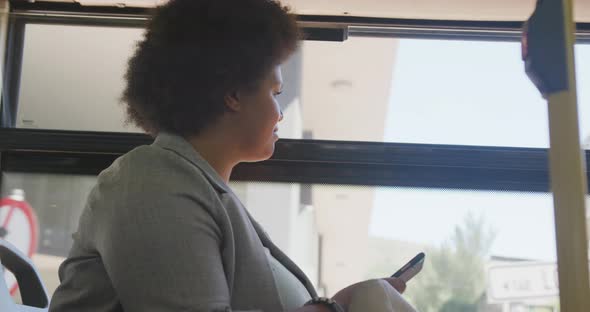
522	281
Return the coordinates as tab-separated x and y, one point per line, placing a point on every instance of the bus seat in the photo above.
33	293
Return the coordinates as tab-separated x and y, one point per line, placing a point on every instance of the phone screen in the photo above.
410	269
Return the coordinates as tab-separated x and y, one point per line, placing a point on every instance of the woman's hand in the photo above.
344	296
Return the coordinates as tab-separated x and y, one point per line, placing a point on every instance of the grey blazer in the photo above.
162	232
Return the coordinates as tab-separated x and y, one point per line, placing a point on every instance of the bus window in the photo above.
396	90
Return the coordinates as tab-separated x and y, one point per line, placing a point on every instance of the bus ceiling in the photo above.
464	10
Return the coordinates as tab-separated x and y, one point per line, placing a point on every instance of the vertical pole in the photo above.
4	9
568	184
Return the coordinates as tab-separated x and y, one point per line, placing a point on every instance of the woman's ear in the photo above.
232	102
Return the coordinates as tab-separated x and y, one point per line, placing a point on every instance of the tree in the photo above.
458	306
453	276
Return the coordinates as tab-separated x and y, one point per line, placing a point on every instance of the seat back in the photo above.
32	291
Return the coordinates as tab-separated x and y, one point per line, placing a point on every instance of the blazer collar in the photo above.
183	148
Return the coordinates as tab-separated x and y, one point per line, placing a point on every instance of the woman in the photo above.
162	231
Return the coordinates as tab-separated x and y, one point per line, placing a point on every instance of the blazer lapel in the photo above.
282	258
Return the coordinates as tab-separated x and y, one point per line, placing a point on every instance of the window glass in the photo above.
428	91
56	201
582	52
363	89
72	77
471	239
343	234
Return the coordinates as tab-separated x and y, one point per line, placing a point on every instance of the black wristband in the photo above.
333	305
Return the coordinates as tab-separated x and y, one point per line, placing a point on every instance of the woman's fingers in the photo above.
397	283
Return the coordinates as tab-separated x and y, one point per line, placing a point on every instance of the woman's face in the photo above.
260	114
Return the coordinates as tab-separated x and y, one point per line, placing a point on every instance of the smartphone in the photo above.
411	268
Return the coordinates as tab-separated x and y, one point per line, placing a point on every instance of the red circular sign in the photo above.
19	224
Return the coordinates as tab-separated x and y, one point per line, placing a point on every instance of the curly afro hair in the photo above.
195	52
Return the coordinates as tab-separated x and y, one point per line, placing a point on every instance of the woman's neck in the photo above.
216	152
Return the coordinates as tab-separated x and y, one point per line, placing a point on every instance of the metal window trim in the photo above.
302	161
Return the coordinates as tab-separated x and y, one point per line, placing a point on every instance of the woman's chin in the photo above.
269	152
262	155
